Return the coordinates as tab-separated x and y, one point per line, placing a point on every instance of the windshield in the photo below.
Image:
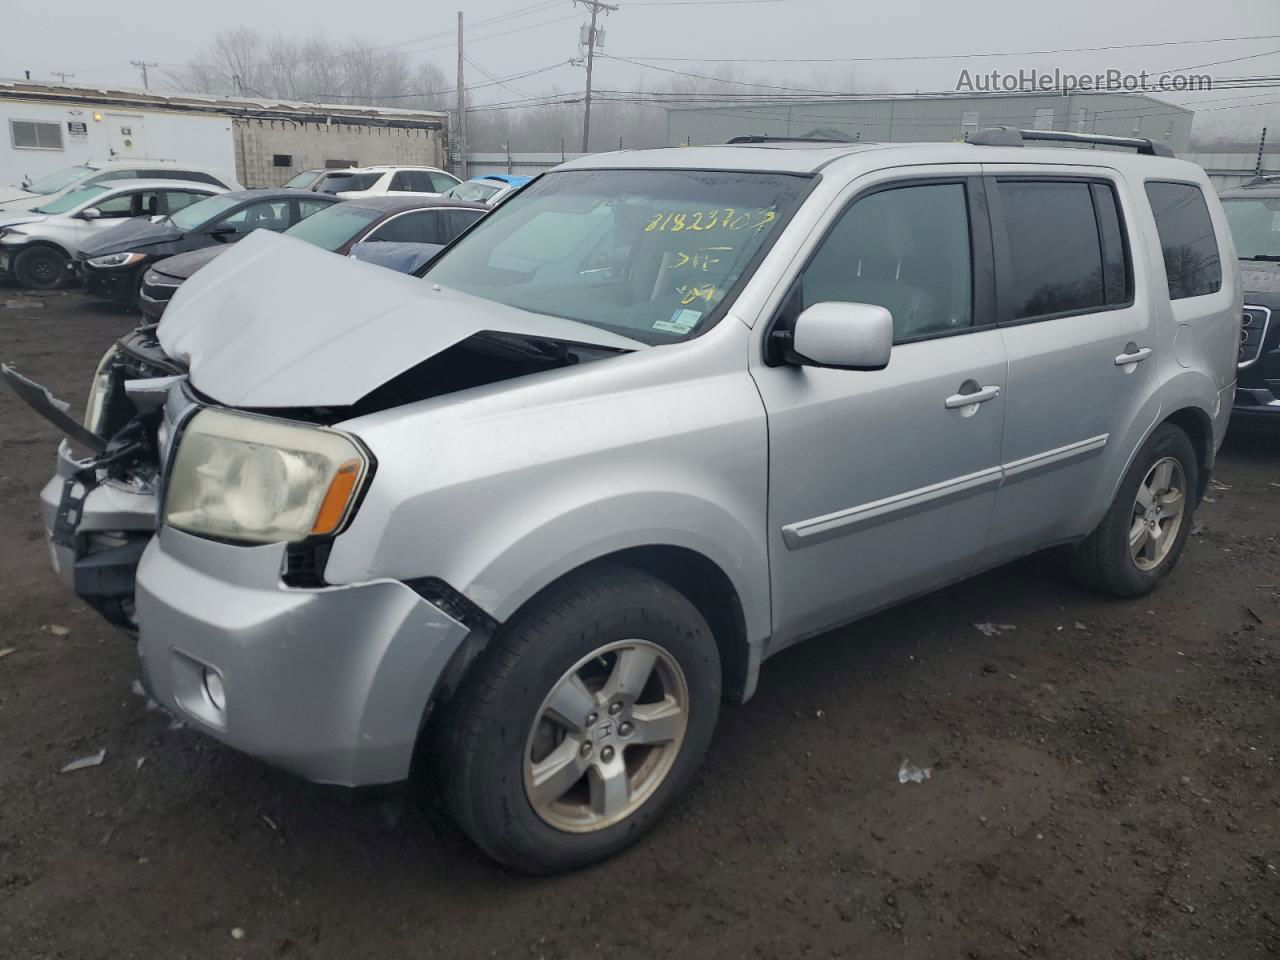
55	182
69	201
475	190
1255	226
303	180
332	227
335	182
202	211
650	254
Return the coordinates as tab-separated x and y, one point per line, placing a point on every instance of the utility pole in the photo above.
460	134
1262	145
595	6
142	65
61	75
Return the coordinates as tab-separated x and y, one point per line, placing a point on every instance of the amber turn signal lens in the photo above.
336	499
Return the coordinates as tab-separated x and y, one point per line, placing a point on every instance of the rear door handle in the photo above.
958	401
1132	355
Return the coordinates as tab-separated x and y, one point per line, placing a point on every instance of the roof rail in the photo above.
1013	137
761	138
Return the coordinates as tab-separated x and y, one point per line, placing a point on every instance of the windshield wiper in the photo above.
1266	257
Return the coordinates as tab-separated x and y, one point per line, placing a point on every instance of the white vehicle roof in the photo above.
130	186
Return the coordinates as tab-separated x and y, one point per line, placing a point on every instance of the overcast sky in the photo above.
96	39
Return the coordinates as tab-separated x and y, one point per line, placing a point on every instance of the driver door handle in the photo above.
958	401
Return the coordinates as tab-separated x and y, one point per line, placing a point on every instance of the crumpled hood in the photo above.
277	322
13	197
139	232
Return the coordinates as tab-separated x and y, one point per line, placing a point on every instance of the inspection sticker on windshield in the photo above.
682	321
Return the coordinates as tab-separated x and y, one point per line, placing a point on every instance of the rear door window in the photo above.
459	220
1065	249
1191	259
177	199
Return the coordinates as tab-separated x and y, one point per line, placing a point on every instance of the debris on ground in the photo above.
910	773
1081	626
58	631
6	651
24	305
237	933
138	764
1253	613
992	629
82	763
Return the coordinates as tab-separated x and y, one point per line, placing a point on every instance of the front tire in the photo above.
1139	541
39	268
587	716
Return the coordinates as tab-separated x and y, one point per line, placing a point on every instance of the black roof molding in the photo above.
1013	137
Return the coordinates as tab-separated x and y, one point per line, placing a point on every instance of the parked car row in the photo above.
69	226
521	521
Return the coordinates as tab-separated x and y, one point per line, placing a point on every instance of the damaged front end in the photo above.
100	507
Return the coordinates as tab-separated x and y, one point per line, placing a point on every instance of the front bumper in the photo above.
117	284
96	532
330	683
1256	403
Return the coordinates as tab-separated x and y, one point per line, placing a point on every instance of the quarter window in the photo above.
1191	259
905	249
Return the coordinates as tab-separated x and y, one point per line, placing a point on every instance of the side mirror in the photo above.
222	233
90	213
846	336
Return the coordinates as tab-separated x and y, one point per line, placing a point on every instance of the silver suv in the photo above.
529	518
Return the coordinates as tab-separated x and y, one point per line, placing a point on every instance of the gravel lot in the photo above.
1105	778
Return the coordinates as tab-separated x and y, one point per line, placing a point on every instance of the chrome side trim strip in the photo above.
805	533
1057	457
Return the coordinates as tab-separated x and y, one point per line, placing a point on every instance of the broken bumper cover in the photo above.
96	533
329	683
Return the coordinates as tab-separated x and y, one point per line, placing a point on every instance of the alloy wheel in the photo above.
1158	510
606	736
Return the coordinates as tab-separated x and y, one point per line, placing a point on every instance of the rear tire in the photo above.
1139	541
534	742
40	268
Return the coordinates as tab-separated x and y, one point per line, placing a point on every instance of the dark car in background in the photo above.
1253	210
113	263
407	219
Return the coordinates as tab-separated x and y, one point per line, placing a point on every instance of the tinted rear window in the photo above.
1054	248
1191	259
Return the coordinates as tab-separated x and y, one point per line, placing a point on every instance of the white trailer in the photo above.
45	127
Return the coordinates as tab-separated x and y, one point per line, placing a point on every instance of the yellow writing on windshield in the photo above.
702	259
697	221
692	292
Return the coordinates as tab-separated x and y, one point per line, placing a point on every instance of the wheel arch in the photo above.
42	242
1198	426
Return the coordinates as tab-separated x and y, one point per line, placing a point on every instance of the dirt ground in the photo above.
1104	776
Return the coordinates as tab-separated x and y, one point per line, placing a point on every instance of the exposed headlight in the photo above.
243	477
117	260
98	388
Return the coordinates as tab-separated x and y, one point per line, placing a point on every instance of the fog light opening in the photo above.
213	689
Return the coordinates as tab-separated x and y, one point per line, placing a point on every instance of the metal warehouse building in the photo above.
932	117
45	127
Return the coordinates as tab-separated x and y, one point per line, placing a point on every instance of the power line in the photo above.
951	56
